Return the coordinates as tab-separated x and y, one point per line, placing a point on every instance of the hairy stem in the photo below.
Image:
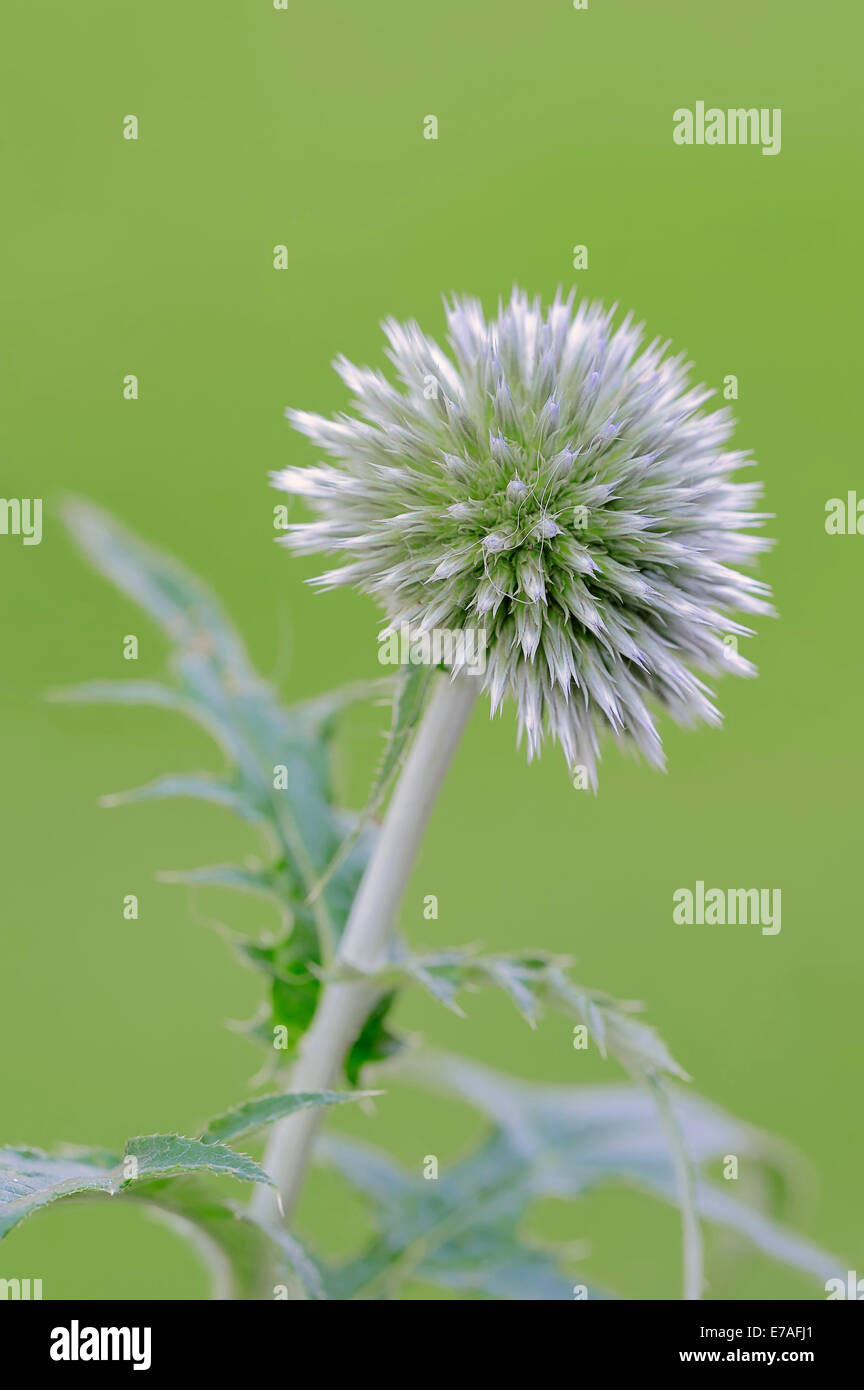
345	1005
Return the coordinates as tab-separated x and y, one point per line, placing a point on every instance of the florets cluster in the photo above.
559	485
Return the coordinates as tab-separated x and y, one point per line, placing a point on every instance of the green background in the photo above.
154	257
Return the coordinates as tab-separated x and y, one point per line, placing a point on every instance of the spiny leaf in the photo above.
123	693
198	787
158	1155
264	1110
182	605
534	980
569	1139
289	962
217	686
375	1042
266	883
459	1232
412	687
318	715
254	1257
30	1179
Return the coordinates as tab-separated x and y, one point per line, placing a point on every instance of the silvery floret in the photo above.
560	486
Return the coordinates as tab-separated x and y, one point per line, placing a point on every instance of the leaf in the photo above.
30	1179
569	1139
493	1263
318	715
265	883
534	980
290	963
375	1042
158	1155
200	788
264	1110
412	687
637	1046
178	601
459	1232
279	757
254	1257
219	687
123	693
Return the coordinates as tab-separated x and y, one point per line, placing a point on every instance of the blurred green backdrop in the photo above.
304	127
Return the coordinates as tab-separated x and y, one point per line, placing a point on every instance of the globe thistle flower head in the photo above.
557	484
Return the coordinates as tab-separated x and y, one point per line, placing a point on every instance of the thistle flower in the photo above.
556	486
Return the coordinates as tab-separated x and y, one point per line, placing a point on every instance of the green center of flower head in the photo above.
555	483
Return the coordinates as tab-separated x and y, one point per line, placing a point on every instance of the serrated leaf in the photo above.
179	602
158	1155
569	1139
219	688
636	1045
412	687
459	1232
495	1263
534	980
149	693
264	1110
199	788
264	883
375	1042
254	1258
318	715
290	963
30	1179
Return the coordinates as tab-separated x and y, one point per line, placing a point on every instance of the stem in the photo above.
345	1004
693	1256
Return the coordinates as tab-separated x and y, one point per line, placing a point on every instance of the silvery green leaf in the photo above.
264	1110
30	1179
493	1263
197	787
460	1232
573	1138
375	1042
534	980
412	687
278	756
184	607
254	1260
149	693
265	883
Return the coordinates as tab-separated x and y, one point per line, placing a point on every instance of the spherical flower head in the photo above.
553	482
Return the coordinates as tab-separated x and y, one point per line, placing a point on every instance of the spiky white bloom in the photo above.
553	484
